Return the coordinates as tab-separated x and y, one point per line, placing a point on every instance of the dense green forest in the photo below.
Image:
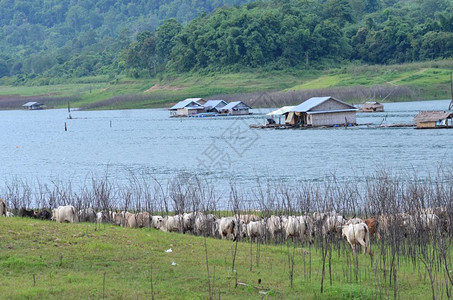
67	38
48	41
278	34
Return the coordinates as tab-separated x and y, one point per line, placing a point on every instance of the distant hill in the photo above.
81	38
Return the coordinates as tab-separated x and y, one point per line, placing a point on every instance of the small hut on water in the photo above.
434	119
372	106
33	105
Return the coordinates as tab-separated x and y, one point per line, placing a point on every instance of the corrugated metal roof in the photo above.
32	103
313	102
280	111
233	105
330	111
432	116
214	103
187	102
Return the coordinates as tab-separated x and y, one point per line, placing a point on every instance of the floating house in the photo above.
434	119
236	108
280	112
186	108
322	111
372	106
214	105
33	105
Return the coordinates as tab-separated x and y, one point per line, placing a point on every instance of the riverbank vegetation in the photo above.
354	84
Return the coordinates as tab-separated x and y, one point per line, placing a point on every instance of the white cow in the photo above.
172	223
247	218
64	214
9	214
156	222
296	227
354	221
229	227
357	234
331	223
256	230
143	219
122	218
188	222
205	224
274	225
87	215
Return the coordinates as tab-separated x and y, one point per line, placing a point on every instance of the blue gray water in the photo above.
35	146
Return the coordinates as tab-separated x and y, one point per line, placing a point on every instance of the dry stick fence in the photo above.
400	203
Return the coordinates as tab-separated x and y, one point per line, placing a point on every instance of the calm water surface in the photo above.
35	146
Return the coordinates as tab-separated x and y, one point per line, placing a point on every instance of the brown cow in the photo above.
372	225
2	207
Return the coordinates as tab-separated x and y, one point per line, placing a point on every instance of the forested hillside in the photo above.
48	41
279	34
67	38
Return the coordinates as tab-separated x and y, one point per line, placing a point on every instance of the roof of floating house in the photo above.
311	103
281	111
188	102
29	104
213	103
432	116
234	104
372	105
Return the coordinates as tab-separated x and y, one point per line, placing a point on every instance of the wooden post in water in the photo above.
65	127
450	107
69	111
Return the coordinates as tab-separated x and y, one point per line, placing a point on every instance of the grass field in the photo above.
427	80
46	260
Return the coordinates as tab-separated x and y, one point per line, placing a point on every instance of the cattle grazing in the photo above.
120	218
44	214
372	224
274	226
357	234
105	216
256	230
156	222
332	223
2	207
172	223
229	228
130	220
188	222
247	218
354	220
87	215
205	224
26	213
297	227
9	214
143	219
64	214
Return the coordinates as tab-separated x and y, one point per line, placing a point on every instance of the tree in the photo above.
166	38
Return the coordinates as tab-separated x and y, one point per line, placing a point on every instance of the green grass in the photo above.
428	80
69	261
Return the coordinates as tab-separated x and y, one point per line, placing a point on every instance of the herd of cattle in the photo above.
277	228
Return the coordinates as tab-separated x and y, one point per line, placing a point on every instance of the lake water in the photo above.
35	146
